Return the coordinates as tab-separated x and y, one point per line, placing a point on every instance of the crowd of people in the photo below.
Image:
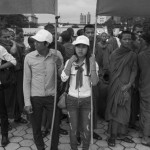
115	78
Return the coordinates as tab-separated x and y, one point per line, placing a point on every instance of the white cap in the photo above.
43	35
81	40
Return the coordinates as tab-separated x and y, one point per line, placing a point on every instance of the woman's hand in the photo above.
73	58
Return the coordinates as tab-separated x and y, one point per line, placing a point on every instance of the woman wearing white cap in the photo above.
82	70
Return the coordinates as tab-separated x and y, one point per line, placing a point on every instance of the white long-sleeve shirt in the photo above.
4	55
81	92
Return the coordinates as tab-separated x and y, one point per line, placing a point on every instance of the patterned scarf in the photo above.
79	77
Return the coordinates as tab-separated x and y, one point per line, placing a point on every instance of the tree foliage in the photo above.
10	21
33	25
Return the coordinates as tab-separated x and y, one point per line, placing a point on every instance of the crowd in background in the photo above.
121	96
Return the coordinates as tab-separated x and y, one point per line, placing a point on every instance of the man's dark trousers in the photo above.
38	104
3	112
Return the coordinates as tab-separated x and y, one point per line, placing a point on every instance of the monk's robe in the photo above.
144	89
123	68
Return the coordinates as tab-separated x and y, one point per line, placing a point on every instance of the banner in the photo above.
123	8
27	6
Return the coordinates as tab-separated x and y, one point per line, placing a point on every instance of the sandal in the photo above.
21	120
127	140
111	142
45	133
63	131
146	144
96	136
78	140
9	127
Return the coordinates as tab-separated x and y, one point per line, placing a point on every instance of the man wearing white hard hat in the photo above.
39	85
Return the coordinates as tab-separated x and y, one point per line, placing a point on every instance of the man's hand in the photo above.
28	109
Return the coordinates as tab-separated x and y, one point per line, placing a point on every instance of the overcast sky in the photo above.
70	10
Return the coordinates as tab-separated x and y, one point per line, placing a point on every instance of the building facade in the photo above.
88	18
82	19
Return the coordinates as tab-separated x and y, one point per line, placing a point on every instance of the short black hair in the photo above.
137	26
49	25
18	30
30	39
125	32
80	32
71	31
66	36
89	26
146	37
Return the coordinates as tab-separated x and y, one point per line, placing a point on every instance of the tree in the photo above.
33	25
110	24
10	21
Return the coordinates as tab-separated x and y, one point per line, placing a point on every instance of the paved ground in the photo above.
21	139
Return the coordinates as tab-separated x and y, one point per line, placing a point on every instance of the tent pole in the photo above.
95	35
55	97
91	83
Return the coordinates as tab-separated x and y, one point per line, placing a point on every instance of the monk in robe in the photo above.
123	68
144	89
